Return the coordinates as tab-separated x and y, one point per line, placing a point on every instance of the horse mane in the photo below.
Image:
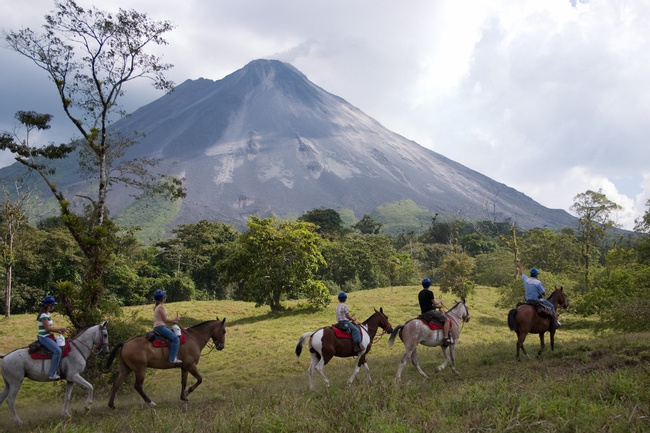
456	305
555	293
204	323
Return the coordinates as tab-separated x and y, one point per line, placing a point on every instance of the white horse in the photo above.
19	364
416	331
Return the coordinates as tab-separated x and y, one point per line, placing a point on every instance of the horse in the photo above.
524	320
138	354
417	331
324	345
18	364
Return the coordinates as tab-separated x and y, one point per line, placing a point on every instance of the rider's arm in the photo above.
48	328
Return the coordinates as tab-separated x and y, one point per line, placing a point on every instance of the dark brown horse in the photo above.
525	320
324	345
138	354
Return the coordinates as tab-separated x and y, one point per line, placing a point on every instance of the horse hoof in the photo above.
151	403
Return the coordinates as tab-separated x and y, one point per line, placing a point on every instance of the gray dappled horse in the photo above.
19	364
417	331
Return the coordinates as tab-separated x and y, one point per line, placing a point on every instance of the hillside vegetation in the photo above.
257	384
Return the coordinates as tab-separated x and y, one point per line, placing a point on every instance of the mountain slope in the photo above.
265	140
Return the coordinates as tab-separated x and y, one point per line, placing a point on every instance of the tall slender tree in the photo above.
90	55
594	212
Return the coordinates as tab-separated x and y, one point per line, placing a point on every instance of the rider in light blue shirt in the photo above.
535	290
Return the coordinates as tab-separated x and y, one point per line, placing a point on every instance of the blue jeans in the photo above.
356	335
176	343
548	304
51	345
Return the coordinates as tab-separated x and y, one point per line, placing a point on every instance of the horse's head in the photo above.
560	298
102	340
219	334
463	311
383	321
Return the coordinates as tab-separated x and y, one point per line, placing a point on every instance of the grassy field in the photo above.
257	384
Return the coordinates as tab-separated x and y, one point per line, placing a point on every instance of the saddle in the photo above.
160	340
434	325
542	309
340	332
37	351
434	318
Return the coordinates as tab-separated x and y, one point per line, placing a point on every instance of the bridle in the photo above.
383	330
102	341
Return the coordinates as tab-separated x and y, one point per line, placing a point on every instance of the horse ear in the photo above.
381	310
105	323
224	321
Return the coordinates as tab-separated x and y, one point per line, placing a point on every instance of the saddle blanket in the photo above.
435	326
42	353
343	334
160	341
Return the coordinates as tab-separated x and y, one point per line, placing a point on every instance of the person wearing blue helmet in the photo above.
46	333
347	322
160	321
535	290
430	310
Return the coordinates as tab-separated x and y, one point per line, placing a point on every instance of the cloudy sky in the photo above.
549	97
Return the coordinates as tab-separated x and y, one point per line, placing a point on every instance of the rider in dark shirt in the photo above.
429	308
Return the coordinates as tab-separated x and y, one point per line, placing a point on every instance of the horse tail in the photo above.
393	334
300	340
512	324
109	361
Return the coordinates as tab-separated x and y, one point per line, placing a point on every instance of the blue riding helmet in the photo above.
426	283
158	295
534	272
343	296
48	300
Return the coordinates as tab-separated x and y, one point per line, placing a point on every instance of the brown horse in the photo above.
138	354
524	320
324	345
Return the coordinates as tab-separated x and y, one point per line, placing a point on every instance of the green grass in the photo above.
257	384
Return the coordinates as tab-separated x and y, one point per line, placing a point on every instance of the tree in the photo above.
642	224
196	250
328	221
368	225
276	259
457	270
594	210
90	55
12	216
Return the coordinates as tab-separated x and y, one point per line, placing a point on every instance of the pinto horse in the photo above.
525	320
417	331
138	354
324	345
18	365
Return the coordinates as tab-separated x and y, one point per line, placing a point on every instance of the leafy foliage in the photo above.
275	259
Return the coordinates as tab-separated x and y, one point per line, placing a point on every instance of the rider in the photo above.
431	309
45	329
535	290
160	319
344	318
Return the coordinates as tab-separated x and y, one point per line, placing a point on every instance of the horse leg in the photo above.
452	357
354	374
124	373
521	337
541	344
68	392
317	364
414	361
446	361
195	372
10	392
552	333
367	368
139	380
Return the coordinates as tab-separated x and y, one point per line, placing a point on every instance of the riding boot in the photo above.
356	346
